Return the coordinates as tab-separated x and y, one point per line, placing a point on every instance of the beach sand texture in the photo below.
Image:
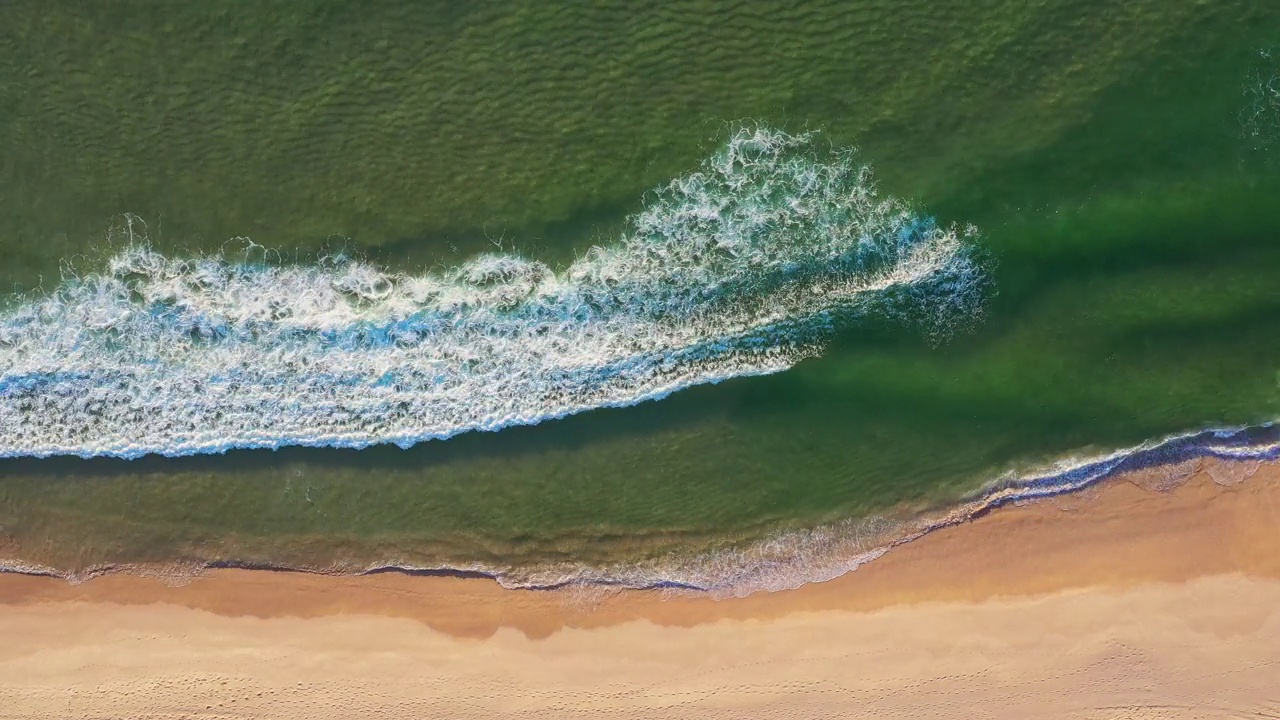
1121	602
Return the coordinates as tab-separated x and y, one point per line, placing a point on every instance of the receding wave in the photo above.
742	267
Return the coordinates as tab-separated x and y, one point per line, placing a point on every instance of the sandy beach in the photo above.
1120	602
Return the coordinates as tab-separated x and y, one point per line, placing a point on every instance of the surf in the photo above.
743	267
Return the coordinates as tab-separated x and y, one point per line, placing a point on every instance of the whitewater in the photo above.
742	267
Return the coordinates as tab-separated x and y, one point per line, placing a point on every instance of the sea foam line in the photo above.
740	268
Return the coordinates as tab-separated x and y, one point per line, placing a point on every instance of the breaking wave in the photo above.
740	268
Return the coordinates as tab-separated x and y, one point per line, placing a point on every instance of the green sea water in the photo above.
1117	159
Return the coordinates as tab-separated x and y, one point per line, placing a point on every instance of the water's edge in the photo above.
796	558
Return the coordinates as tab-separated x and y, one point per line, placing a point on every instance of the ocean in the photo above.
716	296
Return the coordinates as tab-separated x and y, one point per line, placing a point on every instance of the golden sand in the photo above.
1121	602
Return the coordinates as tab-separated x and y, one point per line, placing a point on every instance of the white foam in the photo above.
740	268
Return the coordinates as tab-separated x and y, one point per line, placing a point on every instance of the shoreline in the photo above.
1125	595
1100	510
814	555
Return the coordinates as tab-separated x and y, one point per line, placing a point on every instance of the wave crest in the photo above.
740	268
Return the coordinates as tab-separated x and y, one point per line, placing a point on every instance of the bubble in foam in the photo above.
1260	116
740	268
1227	473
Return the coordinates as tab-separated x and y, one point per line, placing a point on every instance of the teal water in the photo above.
1117	161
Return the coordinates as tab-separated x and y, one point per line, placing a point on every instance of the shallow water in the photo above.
1116	160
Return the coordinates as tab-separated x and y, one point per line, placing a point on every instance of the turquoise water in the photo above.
1117	164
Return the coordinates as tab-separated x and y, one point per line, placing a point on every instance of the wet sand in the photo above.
1116	602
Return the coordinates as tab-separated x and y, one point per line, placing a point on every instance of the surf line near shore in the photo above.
791	559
